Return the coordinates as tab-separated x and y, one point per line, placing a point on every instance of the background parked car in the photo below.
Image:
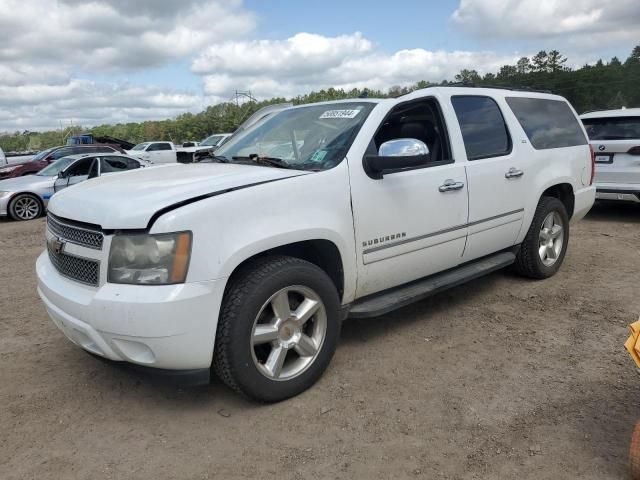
189	153
44	158
3	158
26	198
155	152
615	139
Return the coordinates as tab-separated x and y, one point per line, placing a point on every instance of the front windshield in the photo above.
55	168
211	141
41	155
140	146
313	137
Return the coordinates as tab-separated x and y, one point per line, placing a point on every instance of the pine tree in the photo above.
540	62
555	61
523	66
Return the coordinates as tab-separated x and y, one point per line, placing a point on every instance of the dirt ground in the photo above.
500	378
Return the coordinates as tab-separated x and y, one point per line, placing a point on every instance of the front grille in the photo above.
79	236
81	270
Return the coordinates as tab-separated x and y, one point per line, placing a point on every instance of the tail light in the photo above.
634	151
593	164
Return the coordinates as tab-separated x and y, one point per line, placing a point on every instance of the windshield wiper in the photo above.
271	161
214	158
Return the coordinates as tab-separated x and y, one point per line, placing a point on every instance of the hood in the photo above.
129	200
27	183
11	166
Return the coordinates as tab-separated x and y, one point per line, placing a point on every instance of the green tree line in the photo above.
604	85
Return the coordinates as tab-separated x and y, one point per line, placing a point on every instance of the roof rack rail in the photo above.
473	85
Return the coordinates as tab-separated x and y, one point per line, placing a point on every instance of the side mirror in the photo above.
396	155
62	175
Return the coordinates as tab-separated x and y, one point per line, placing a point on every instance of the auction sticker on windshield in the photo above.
340	114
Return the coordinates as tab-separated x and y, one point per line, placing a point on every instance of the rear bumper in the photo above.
583	201
618	192
162	327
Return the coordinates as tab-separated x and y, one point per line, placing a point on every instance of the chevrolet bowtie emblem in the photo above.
56	244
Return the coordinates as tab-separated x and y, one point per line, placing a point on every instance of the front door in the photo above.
411	223
76	173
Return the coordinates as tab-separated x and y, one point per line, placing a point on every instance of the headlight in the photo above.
143	259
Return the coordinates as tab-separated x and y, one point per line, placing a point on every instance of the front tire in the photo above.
278	329
543	249
25	207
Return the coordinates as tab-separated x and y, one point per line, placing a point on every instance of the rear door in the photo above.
616	143
496	176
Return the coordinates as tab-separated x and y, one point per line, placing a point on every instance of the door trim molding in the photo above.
439	232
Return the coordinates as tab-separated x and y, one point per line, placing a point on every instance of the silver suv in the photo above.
615	139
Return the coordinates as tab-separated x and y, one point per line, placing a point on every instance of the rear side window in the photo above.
483	128
547	123
113	164
159	146
613	128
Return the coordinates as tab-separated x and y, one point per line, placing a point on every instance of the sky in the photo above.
89	62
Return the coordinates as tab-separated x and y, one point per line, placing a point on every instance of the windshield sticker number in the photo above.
340	114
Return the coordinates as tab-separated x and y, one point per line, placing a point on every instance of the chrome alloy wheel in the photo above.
26	208
551	239
288	333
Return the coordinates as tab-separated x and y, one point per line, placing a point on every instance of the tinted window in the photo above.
81	167
133	164
613	128
483	129
117	164
159	146
547	123
112	164
62	152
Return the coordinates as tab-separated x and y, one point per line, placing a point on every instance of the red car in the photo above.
46	157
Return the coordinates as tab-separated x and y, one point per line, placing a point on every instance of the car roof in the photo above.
78	156
621	112
449	90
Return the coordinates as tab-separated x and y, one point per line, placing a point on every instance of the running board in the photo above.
384	302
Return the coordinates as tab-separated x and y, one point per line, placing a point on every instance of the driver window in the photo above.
80	168
420	120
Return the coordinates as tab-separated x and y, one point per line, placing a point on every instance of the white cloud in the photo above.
114	34
48	45
577	20
42	106
307	62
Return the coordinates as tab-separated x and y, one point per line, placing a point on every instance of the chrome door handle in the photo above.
513	173
449	185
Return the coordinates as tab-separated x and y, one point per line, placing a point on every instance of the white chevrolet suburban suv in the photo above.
249	263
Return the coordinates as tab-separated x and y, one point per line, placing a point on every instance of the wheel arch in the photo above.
563	192
323	253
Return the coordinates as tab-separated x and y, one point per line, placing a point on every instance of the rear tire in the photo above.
25	206
278	328
543	249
